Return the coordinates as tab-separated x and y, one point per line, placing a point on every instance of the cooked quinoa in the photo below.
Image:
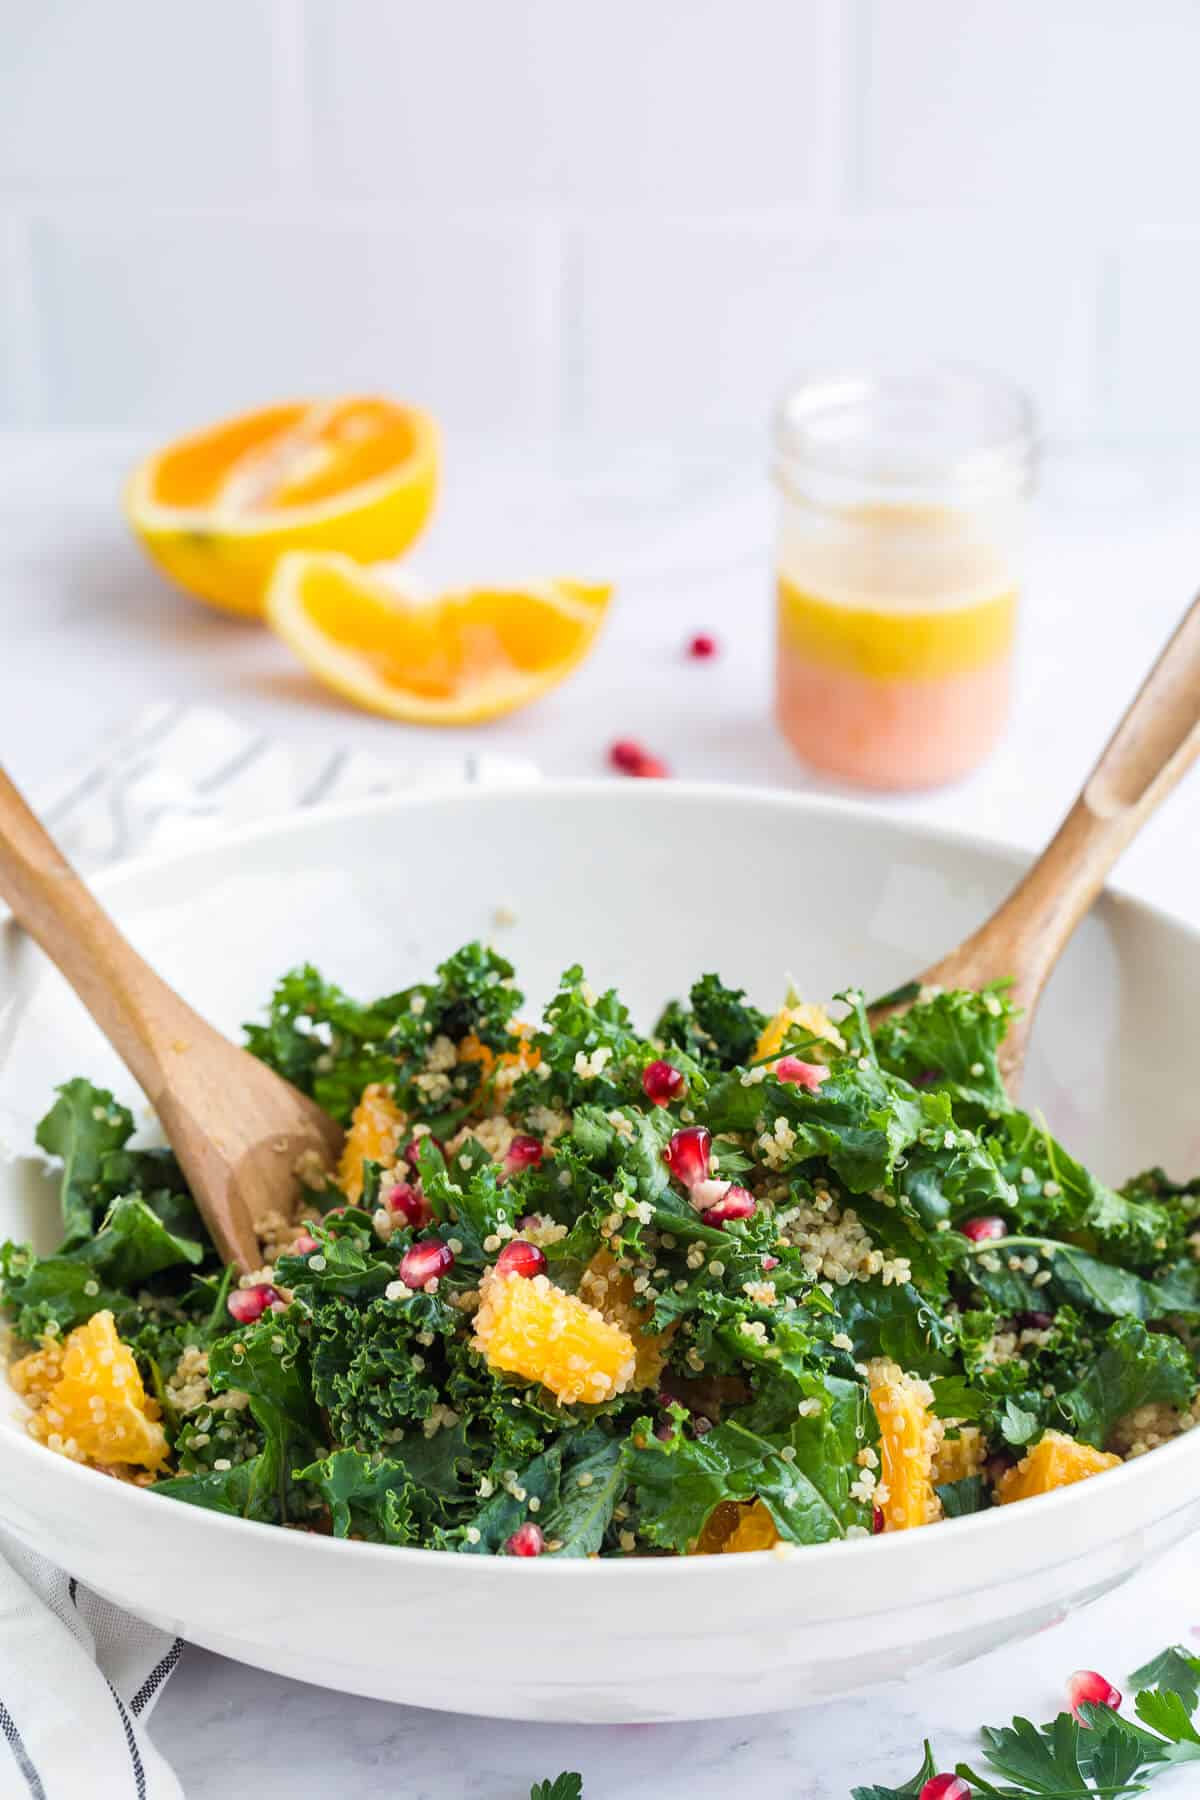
751	1281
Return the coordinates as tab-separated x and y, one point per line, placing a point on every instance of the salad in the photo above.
750	1281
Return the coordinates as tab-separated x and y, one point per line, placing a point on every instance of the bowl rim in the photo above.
1089	1496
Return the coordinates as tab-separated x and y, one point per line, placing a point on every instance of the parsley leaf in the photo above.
563	1787
1101	1754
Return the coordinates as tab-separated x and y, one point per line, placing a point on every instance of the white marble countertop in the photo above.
90	634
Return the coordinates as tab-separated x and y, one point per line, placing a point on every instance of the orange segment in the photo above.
451	661
808	1017
89	1399
216	511
1057	1461
376	1127
908	1442
523	1054
531	1328
755	1530
961	1456
610	1291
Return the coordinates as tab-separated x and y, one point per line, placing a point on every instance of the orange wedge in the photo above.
216	511
450	661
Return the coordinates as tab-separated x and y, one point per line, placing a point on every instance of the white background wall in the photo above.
625	221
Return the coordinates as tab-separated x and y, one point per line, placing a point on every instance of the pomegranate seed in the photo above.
1086	1688
945	1787
793	1072
523	1153
520	1258
769	1263
664	1433
412	1148
407	1197
702	645
526	1540
1035	1321
981	1230
737	1203
662	1082
701	1426
651	768
998	1464
687	1154
247	1304
424	1262
304	1245
877	1520
626	755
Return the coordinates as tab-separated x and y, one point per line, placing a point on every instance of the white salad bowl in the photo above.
647	885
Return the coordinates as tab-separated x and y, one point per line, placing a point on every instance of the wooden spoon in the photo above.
1155	744
239	1130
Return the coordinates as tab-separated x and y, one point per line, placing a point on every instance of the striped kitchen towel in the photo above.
78	1677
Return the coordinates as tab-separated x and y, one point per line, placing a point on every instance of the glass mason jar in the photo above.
902	506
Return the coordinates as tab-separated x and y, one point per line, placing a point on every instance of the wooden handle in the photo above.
128	1001
1155	744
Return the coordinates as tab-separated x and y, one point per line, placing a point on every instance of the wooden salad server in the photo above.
1155	744
239	1130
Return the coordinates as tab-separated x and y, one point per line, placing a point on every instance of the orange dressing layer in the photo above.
885	643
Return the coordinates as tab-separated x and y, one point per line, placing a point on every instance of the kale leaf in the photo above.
83	1126
1136	1368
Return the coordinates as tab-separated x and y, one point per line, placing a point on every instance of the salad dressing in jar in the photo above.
902	502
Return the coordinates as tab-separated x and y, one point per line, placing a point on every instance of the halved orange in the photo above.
217	510
449	661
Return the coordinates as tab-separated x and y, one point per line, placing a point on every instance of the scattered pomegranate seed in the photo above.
651	768
981	1230
664	1432
702	645
408	1197
523	1153
521	1258
877	1520
632	759
687	1154
662	1082
1035	1321
945	1787
1086	1688
247	1304
304	1245
424	1262
526	1540
736	1203
769	1263
626	755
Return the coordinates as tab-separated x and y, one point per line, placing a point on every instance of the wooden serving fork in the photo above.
1155	744
239	1130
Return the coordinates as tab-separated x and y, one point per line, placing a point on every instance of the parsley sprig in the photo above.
1102	1755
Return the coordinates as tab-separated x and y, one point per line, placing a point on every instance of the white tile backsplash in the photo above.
152	101
181	326
717	319
1154	372
634	221
1078	108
